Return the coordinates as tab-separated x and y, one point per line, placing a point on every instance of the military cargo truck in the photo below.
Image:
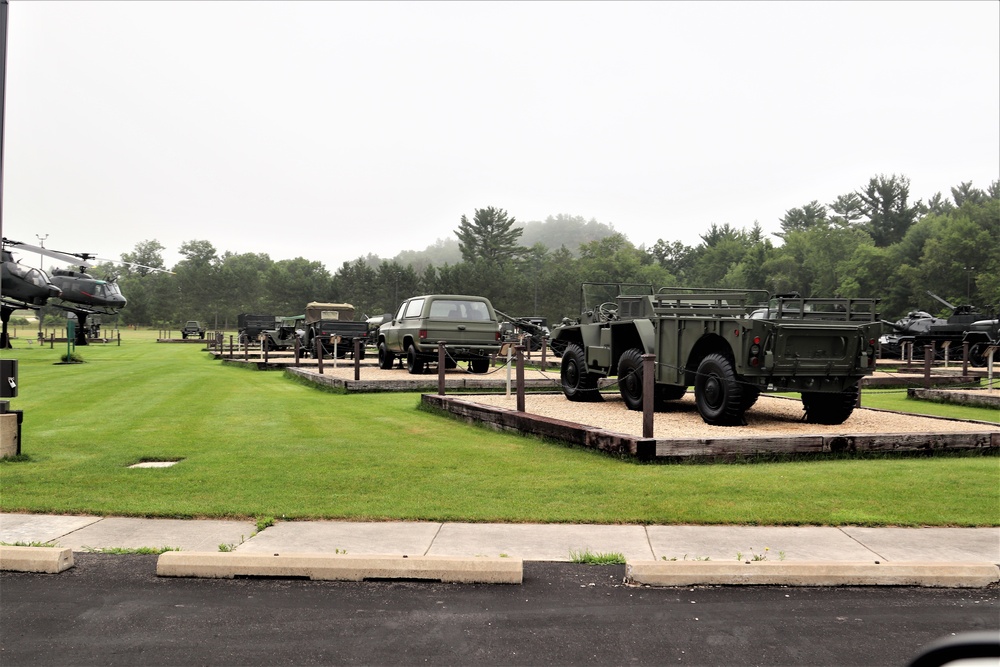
730	345
330	322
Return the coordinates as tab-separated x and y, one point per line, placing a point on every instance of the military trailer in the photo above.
333	325
730	345
251	326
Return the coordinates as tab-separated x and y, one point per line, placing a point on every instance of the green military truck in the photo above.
467	324
730	345
334	327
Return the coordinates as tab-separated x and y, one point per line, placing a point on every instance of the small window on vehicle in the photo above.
414	307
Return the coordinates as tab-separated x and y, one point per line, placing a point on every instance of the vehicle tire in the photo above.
977	355
750	396
450	364
361	352
718	392
479	365
630	378
578	383
385	357
829	408
184	335
534	344
414	364
202	336
665	393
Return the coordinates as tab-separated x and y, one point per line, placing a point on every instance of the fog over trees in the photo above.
872	242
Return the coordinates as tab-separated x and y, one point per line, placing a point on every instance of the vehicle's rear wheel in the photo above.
829	408
718	392
385	357
630	378
479	365
414	364
578	384
977	354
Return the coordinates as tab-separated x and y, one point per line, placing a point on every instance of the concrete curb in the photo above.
48	560
341	567
813	573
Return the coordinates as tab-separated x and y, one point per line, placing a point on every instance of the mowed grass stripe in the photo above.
256	443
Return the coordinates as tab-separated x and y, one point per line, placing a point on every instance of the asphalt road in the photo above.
113	610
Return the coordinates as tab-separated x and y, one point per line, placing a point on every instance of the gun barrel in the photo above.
952	306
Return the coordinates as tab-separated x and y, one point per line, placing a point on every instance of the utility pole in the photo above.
41	258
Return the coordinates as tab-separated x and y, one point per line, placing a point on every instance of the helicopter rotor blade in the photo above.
75	259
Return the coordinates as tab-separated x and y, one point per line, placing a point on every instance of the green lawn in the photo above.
255	443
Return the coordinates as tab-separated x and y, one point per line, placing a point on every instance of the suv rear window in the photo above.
454	309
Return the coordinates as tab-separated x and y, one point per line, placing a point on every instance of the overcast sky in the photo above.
329	130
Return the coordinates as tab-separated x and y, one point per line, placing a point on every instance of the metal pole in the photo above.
648	391
441	367
519	349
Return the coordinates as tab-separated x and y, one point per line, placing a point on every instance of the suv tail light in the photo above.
422	334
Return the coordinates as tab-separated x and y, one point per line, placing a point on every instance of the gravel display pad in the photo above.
774	426
772	415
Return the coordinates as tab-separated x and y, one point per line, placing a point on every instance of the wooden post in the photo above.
230	346
965	358
928	357
296	347
319	354
519	351
648	392
265	348
441	367
545	344
357	359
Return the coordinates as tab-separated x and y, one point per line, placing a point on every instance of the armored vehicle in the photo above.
467	324
965	324
333	325
730	345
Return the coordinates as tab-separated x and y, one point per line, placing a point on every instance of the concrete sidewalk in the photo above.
533	542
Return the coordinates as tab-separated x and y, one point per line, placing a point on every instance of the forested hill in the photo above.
571	231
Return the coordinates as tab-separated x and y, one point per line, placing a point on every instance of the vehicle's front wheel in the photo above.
718	392
479	365
414	364
829	408
630	378
385	357
578	384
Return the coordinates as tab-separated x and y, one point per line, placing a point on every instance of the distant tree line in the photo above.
874	241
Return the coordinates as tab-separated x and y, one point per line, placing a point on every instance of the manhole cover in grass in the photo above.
153	464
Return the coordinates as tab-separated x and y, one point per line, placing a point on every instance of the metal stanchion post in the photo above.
519	350
648	391
928	357
441	367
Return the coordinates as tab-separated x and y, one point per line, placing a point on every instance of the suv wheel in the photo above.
385	357
414	364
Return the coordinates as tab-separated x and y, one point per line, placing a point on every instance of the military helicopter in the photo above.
21	287
79	292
